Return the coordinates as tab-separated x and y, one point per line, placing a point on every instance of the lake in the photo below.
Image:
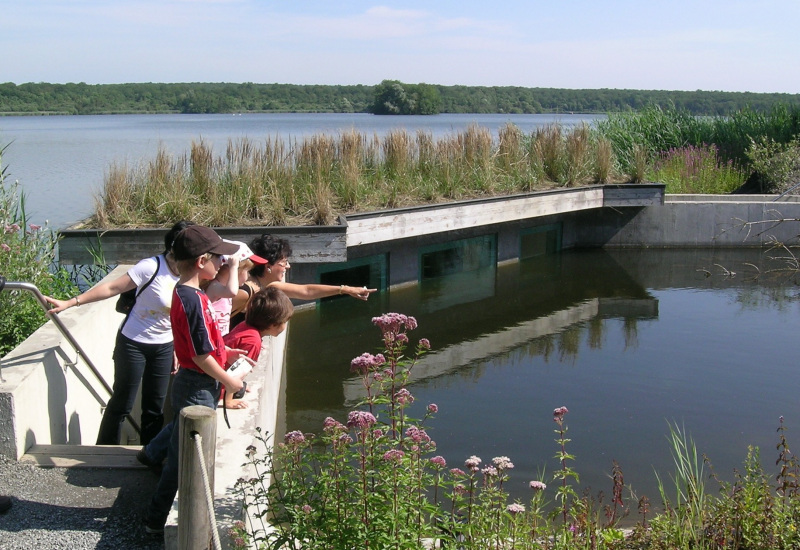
628	340
60	161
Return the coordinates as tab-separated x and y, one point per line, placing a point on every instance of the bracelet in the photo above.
341	289
77	301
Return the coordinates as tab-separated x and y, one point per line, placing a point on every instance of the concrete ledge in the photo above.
310	244
708	221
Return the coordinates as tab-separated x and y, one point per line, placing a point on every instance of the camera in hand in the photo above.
241	365
239	394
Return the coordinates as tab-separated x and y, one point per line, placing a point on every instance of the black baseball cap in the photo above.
196	240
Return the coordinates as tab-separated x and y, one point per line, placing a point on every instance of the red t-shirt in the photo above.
246	337
194	328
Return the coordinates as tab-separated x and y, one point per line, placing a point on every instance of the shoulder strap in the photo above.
158	267
141	289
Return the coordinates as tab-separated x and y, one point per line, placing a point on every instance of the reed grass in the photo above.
603	161
658	130
312	180
315	179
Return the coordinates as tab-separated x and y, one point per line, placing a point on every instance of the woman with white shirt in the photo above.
143	353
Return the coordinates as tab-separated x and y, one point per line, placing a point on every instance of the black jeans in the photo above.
134	363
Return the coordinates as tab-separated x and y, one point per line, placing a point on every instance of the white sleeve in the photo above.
142	271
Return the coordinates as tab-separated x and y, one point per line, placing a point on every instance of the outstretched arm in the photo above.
314	291
95	294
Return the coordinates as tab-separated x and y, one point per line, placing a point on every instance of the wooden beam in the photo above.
415	222
310	244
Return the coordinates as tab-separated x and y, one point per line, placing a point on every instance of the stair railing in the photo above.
9	285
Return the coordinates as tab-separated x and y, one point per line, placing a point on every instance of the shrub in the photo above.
775	165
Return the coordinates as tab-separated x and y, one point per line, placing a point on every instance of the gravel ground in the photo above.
58	508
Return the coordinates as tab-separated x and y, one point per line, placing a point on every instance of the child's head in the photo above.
268	308
197	247
247	260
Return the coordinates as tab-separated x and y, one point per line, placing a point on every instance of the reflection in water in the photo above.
628	340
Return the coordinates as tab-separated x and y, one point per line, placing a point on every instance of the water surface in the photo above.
628	341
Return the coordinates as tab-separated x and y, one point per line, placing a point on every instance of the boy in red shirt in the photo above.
267	313
199	348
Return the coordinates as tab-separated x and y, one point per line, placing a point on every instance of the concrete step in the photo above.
83	456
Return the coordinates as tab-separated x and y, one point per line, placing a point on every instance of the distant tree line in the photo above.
388	97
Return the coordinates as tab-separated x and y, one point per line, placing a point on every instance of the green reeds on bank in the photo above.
639	137
315	179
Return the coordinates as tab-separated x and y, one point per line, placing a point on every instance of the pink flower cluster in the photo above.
418	435
558	414
393	455
294	439
403	397
515	508
537	486
439	462
502	463
393	323
332	426
366	362
473	463
360	420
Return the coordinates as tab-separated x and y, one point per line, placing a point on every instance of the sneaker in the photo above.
152	528
5	504
154	467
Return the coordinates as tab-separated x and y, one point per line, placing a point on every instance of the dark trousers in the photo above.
188	388
135	363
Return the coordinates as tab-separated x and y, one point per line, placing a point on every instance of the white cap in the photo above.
244	253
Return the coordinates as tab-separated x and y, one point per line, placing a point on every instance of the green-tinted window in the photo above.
369	272
540	241
457	257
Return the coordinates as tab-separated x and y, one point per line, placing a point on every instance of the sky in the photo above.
712	45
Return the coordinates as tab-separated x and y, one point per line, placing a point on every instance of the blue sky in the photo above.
679	45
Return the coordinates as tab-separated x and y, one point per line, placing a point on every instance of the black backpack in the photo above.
127	299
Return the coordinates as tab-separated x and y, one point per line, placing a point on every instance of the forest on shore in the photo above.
388	97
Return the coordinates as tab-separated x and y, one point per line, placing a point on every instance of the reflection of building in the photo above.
470	318
473	352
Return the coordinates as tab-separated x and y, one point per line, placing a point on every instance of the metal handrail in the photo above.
65	333
792	188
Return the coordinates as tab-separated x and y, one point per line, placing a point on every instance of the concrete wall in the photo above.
694	221
47	393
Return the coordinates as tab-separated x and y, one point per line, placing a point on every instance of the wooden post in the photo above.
194	525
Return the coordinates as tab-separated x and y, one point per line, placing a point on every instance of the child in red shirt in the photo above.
267	313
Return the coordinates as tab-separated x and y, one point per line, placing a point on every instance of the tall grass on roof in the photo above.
314	179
